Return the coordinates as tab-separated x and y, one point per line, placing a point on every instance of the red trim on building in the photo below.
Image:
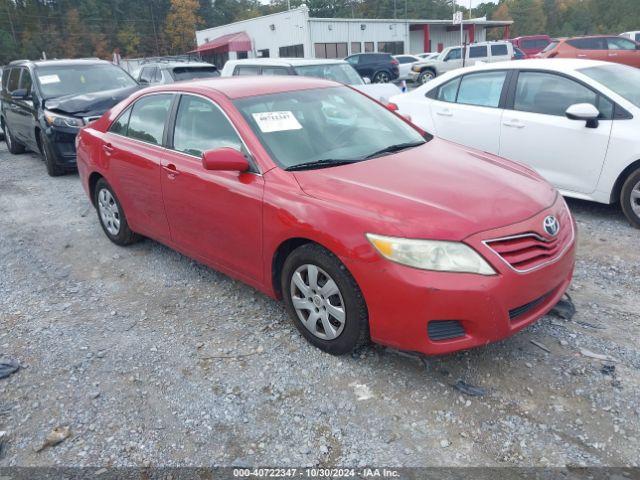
507	31
427	37
472	33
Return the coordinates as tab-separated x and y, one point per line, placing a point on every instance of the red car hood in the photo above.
438	190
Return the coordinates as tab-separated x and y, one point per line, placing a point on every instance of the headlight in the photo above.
431	254
415	68
57	120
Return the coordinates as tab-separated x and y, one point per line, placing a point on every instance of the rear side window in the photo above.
188	73
5	78
482	89
148	118
499	50
201	126
454	54
596	43
245	70
637	37
534	44
478	52
448	91
14	80
617	43
274	71
551	94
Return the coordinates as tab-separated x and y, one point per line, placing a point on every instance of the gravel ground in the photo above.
152	359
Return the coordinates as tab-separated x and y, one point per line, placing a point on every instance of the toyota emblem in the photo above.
551	225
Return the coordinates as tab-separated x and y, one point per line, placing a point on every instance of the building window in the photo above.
330	50
368	47
394	48
242	55
263	53
355	47
292	51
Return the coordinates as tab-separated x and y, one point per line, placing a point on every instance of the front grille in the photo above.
530	250
527	307
445	329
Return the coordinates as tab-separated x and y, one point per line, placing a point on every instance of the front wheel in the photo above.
426	76
381	77
630	198
111	215
324	301
53	169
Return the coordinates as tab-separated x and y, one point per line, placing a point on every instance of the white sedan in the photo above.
405	62
576	122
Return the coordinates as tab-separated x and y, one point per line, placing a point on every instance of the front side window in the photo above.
448	91
59	80
201	126
148	118
453	54
499	50
551	94
338	72
621	79
478	52
482	89
121	125
14	80
617	43
326	124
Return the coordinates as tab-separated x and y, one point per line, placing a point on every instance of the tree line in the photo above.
83	28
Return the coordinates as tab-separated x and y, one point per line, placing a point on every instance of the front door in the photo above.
537	132
215	216
623	51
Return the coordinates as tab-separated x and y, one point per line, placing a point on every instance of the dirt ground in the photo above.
152	359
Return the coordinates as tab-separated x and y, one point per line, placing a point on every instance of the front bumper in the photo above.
403	301
62	146
413	76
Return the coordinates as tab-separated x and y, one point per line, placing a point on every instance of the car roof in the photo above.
247	86
177	64
553	64
61	62
286	62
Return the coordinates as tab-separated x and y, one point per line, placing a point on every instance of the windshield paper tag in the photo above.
276	121
46	79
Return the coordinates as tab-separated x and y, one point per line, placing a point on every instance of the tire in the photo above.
12	144
320	302
426	76
111	215
53	169
630	198
381	77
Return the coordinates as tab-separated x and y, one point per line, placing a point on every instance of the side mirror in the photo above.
20	94
585	112
225	159
366	80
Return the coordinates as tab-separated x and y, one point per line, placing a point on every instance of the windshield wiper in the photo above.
324	163
394	148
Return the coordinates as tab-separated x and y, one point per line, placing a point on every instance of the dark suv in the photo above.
44	104
378	67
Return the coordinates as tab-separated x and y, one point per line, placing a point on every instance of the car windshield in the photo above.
190	73
621	79
324	125
550	47
339	72
60	80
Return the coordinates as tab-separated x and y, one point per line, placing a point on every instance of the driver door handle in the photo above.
171	170
444	113
513	124
108	148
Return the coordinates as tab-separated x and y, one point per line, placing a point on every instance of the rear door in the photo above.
536	132
10	106
500	52
133	151
467	110
477	53
215	216
622	50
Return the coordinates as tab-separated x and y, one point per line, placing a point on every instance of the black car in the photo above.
44	104
378	67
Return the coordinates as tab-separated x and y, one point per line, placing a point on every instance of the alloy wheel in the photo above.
318	302
7	137
382	77
109	212
635	199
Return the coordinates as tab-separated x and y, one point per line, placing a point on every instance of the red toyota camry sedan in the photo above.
367	227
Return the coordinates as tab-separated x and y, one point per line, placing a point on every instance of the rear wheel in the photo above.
426	76
111	215
324	301
53	169
12	144
630	198
381	77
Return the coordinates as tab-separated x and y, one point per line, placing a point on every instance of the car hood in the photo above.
89	104
379	91
438	190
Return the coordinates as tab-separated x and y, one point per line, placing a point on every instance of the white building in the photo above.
294	33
